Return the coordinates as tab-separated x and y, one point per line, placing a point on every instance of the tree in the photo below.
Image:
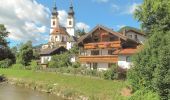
152	64
5	52
25	54
154	15
3	34
80	33
62	60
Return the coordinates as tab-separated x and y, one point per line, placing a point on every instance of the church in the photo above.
61	38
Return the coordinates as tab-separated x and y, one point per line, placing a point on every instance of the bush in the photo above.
144	94
33	65
111	73
17	66
76	65
6	63
61	60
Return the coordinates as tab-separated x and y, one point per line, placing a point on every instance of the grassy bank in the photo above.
91	87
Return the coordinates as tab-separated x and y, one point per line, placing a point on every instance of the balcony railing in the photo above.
99	58
115	44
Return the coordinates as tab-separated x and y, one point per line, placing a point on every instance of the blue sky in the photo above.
112	13
30	19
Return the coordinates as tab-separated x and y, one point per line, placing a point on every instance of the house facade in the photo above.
102	47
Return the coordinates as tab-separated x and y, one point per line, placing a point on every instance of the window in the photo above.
128	59
110	52
95	52
94	65
136	37
130	36
62	39
70	22
53	23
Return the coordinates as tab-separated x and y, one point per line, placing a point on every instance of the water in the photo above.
10	92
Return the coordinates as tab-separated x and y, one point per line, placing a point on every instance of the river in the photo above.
10	92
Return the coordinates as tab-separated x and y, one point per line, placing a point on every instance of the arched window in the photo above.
128	59
70	22
53	23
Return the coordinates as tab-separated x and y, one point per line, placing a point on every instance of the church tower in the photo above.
54	18
71	21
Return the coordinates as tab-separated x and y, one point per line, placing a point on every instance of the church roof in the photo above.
52	51
59	30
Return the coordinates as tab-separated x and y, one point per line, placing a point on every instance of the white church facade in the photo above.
61	38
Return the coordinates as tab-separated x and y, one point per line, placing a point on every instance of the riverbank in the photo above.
67	86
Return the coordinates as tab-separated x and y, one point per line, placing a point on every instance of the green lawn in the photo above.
92	87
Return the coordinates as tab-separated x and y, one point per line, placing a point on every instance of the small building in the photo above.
102	47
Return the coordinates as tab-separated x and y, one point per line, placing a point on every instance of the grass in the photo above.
91	87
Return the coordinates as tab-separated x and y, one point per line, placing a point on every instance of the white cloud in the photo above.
62	17
24	19
115	7
29	20
81	26
131	9
120	26
101	1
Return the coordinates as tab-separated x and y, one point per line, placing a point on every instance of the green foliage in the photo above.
36	54
152	65
154	15
111	73
5	53
80	33
6	63
3	34
25	54
144	94
76	64
33	65
62	60
17	66
74	50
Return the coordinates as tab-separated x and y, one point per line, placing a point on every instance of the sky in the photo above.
30	19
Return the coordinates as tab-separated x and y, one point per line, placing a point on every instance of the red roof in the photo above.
126	51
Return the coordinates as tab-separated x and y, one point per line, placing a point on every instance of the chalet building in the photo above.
61	38
102	47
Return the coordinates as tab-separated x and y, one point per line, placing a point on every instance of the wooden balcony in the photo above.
115	44
99	58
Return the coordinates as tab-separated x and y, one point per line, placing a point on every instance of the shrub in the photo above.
17	66
111	73
6	63
144	94
33	65
76	65
61	60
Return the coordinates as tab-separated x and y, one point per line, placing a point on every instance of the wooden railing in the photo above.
99	58
115	44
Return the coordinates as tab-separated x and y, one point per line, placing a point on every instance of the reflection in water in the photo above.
10	92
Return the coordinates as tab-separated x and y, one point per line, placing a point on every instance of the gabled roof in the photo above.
128	28
52	51
107	29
